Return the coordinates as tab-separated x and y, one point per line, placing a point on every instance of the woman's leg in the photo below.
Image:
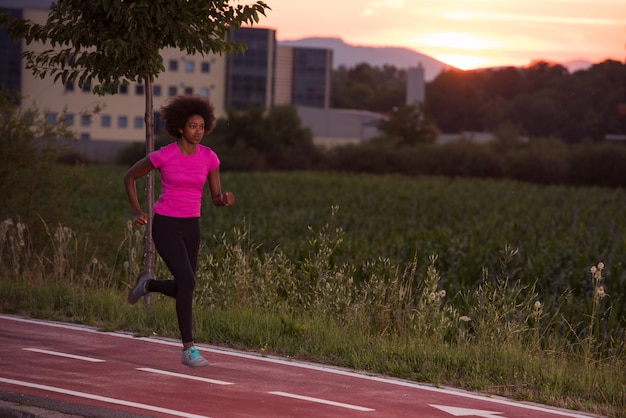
178	242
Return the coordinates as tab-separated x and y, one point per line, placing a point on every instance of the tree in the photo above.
115	42
368	88
258	140
457	100
408	125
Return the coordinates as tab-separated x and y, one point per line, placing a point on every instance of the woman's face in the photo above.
193	131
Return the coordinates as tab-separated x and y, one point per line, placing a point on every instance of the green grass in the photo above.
482	285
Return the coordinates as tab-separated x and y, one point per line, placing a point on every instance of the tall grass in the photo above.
390	312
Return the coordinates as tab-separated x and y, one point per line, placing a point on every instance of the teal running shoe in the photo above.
193	358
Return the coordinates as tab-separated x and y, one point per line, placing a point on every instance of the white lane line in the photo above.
184	376
102	398
323	401
56	353
460	393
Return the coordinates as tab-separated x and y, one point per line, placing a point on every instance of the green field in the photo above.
478	284
560	231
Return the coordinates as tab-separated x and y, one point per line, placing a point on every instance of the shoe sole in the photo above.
132	297
196	366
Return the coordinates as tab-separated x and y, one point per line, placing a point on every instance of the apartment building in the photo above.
250	77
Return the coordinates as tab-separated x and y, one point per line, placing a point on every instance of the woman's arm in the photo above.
217	197
139	169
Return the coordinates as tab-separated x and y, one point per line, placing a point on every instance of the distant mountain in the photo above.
351	55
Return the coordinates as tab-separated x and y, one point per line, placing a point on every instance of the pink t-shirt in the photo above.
182	179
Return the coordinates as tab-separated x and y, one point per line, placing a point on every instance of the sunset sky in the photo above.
464	33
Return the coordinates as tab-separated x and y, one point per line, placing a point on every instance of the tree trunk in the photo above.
149	253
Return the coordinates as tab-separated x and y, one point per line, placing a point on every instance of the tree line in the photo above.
540	100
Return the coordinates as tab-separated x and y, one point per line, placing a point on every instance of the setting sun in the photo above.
464	34
461	50
462	62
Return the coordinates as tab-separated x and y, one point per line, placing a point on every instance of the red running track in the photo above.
118	372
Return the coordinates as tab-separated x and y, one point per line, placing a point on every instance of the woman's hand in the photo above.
224	199
228	198
141	219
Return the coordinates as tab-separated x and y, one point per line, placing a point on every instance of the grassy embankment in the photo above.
482	285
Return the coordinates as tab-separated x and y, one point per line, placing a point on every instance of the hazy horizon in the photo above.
464	34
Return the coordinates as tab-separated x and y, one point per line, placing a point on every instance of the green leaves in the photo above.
408	125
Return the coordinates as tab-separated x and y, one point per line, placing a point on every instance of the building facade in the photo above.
250	75
266	75
311	77
415	88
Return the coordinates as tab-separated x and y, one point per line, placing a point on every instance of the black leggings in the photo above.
178	241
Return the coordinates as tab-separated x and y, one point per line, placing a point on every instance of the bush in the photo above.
460	159
28	153
367	158
467	159
542	161
539	161
598	165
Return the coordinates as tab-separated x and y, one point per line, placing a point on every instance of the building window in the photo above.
138	122
204	92
189	90
123	88
85	136
156	90
87	88
139	90
69	87
68	118
122	121
205	67
189	66
172	91
105	121
173	65
51	118
85	120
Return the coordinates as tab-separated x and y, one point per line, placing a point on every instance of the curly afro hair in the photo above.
179	109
